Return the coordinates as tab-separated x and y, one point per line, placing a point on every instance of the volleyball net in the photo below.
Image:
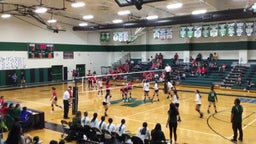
117	80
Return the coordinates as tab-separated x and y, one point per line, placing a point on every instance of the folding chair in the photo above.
136	140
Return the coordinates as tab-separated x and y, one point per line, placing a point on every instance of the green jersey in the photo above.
212	96
237	111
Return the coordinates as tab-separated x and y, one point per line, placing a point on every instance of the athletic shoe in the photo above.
106	115
201	115
216	111
240	139
158	100
233	140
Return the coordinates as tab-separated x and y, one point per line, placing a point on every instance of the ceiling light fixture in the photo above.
126	12
78	4
52	21
117	21
152	17
6	15
87	17
41	10
83	24
174	6
196	12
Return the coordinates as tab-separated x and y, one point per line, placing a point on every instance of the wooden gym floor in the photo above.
213	128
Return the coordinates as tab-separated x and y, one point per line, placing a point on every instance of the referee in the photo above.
66	97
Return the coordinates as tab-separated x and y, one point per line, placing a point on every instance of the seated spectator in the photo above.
4	109
24	116
176	57
16	136
210	58
144	133
249	85
199	57
203	71
36	140
198	71
53	142
1	101
157	135
215	56
239	80
223	67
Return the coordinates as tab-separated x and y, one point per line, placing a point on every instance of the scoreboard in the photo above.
40	51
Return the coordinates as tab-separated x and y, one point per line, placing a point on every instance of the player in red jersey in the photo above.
124	91
54	99
94	82
89	77
129	89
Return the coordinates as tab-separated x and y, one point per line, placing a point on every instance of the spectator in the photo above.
203	71
199	57
16	136
157	135
198	71
14	79
4	109
239	80
223	67
24	116
249	85
215	56
53	142
176	57
1	101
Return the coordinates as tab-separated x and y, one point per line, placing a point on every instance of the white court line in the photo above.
245	127
154	108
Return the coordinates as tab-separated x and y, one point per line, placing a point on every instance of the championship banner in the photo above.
222	30
190	31
231	29
183	32
249	27
206	31
239	29
214	30
197	31
156	34
169	33
162	34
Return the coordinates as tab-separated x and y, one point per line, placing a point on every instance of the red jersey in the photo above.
130	85
94	79
108	86
70	92
2	102
54	93
123	90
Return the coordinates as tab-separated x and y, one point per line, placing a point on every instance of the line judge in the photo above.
66	97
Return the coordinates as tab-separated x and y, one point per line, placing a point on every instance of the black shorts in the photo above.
104	103
55	98
156	91
177	105
146	91
198	105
